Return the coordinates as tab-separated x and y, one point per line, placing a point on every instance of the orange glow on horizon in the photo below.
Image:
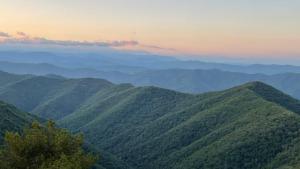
261	30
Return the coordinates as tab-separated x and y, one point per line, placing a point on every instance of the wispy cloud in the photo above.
23	38
45	41
4	35
22	34
157	47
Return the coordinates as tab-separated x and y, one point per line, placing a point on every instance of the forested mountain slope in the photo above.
249	126
12	119
252	126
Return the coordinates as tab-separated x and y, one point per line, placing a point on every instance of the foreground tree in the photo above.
47	147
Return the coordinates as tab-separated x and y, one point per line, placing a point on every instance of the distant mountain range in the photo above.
184	80
251	126
128	62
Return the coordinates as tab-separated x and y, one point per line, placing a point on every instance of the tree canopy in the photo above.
44	147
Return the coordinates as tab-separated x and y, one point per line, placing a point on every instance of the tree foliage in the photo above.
40	147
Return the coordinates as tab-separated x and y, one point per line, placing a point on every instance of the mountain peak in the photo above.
257	85
274	95
264	90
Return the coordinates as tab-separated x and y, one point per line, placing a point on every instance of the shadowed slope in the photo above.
12	119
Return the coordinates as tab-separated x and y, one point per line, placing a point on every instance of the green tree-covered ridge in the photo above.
12	119
249	126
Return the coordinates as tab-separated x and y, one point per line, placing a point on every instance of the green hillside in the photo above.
48	97
157	128
252	126
12	119
7	78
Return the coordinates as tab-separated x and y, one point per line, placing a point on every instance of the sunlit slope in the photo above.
249	126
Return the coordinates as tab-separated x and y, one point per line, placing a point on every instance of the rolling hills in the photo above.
183	80
244	127
251	126
200	81
129	61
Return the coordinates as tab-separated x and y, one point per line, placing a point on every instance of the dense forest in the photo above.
251	126
149	84
44	147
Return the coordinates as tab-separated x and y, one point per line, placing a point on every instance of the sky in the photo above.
229	28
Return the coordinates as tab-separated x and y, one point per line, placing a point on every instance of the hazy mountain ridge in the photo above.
133	62
184	80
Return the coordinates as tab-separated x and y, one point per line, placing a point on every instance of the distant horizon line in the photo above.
204	58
